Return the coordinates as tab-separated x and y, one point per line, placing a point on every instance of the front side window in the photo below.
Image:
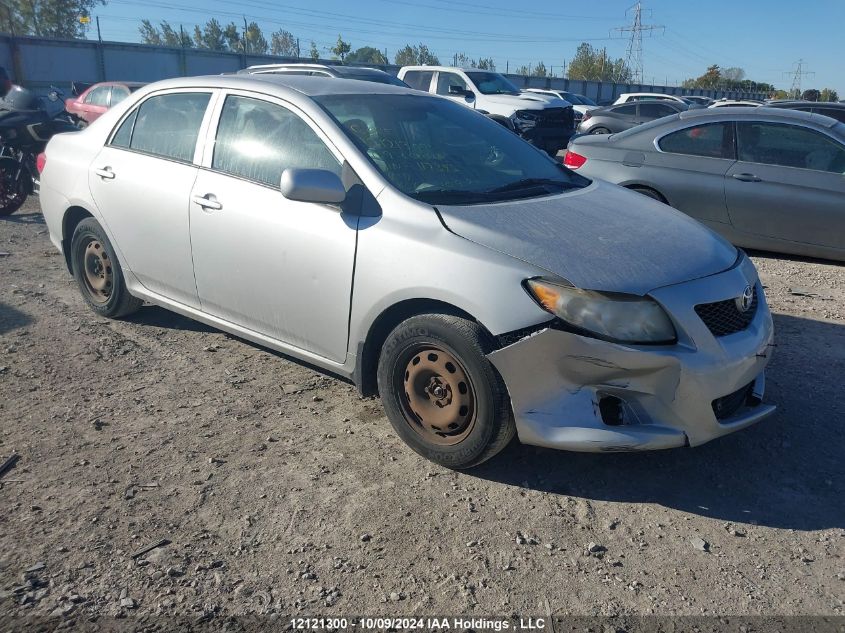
123	136
419	79
447	80
789	146
258	140
168	125
655	110
714	140
492	83
98	96
440	152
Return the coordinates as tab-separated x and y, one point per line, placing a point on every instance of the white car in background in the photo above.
580	104
628	97
736	103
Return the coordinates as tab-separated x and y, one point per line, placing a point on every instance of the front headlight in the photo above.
524	120
618	317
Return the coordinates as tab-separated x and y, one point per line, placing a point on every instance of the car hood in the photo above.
527	101
602	237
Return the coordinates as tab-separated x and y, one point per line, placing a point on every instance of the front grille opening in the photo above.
728	406
724	317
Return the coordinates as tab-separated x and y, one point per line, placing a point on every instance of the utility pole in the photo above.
245	27
634	57
797	78
99	36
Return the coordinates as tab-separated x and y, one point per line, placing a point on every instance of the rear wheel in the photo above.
650	193
441	394
98	273
13	191
599	130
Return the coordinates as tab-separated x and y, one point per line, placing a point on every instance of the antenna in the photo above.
797	77
634	58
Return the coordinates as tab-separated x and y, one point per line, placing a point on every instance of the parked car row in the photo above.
428	254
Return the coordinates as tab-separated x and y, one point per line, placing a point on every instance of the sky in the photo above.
765	38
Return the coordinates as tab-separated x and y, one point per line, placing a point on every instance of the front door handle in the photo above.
747	177
208	201
105	173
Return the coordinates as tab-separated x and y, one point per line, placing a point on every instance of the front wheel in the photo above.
441	394
13	191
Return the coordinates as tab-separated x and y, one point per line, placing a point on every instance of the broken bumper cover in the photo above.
557	379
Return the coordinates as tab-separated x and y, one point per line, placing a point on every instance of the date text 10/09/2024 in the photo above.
421	624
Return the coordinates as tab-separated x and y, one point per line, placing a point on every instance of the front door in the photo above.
788	184
275	266
141	181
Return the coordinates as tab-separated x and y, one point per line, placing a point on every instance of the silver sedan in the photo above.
413	246
764	178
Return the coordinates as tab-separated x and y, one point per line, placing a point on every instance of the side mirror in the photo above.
53	95
312	185
461	92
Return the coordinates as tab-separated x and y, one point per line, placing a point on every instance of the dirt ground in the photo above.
280	491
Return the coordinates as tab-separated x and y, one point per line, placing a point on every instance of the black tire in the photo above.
90	243
13	193
599	130
492	425
650	193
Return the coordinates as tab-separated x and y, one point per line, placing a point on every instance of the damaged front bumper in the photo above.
578	393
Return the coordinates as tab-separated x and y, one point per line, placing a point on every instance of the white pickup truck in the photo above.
543	120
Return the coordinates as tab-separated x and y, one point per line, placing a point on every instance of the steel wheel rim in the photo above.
437	396
98	272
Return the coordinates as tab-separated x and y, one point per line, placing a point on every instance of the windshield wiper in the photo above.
527	183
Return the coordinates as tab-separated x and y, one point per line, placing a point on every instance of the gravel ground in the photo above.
279	490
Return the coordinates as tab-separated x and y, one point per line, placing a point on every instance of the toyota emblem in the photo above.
744	301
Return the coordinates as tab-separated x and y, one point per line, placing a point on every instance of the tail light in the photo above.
573	160
41	162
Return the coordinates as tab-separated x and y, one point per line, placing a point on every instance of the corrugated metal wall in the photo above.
39	63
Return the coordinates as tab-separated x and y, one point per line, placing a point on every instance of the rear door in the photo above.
651	110
689	169
419	79
789	184
279	267
141	182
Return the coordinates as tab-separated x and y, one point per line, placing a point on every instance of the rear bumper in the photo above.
560	382
550	140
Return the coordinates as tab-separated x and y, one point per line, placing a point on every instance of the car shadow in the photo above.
792	258
12	318
786	472
159	317
23	218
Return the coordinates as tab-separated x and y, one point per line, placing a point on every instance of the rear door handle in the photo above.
208	201
105	173
747	177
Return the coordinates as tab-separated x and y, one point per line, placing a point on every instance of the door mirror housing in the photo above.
457	91
312	185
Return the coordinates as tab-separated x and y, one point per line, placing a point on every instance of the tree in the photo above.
149	33
733	74
283	43
486	63
415	56
590	64
811	95
232	39
828	94
46	18
314	53
523	70
174	38
341	49
367	55
211	36
540	70
256	43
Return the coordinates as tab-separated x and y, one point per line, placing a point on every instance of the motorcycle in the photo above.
27	123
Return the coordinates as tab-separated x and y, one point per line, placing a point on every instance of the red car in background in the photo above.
88	106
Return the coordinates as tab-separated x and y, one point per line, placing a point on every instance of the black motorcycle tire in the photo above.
13	192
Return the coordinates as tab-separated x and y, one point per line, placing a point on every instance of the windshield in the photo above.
587	100
492	83
441	152
377	78
573	98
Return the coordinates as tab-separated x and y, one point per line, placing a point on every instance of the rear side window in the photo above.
630	109
168	125
258	140
789	146
118	94
419	79
98	96
833	113
713	140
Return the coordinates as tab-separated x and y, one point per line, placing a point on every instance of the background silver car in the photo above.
764	178
420	249
617	118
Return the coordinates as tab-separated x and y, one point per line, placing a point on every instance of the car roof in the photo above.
282	85
760	112
340	70
808	104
